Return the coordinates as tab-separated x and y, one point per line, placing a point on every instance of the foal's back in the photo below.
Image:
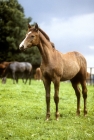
73	64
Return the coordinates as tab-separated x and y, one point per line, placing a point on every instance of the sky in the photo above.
68	23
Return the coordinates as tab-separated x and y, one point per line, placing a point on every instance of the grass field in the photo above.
23	111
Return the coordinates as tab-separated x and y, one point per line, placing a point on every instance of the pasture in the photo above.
23	108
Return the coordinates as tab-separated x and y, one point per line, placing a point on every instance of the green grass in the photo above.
23	111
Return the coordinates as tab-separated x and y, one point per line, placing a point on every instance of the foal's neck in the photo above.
45	48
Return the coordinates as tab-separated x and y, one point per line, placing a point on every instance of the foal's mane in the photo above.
46	36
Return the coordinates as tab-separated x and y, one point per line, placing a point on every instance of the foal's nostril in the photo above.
22	47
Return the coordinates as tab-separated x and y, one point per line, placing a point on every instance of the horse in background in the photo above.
16	69
57	67
3	67
38	74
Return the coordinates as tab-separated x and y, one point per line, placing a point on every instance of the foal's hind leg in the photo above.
84	92
56	95
77	92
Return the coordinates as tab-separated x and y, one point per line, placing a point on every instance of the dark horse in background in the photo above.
3	67
22	69
57	67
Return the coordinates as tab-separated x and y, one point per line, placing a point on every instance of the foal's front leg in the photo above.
47	89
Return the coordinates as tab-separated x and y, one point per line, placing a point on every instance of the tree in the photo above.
13	27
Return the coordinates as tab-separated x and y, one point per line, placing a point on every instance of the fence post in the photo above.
90	76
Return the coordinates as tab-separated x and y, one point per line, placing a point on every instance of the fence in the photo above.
90	76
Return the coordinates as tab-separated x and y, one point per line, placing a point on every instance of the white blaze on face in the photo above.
22	43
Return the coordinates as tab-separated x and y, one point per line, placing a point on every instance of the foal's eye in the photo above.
32	36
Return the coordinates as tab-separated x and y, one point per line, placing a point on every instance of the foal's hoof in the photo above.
57	116
47	117
85	113
78	113
57	119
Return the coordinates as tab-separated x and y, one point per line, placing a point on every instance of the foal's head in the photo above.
31	39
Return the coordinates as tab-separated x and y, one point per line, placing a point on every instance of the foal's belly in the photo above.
69	73
67	77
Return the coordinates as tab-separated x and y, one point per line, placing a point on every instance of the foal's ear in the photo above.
29	26
36	26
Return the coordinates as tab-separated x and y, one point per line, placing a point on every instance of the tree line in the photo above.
13	27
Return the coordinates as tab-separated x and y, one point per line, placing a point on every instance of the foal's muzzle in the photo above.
21	47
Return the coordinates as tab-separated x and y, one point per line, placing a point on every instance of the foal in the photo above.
57	67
